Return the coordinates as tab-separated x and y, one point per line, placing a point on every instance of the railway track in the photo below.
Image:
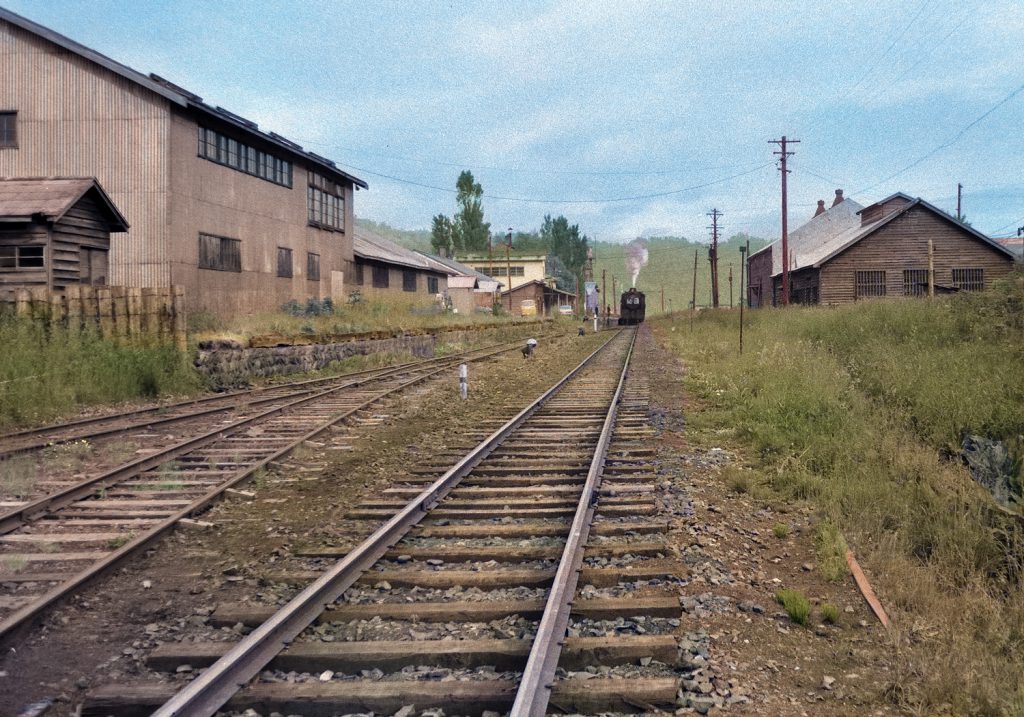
64	538
528	572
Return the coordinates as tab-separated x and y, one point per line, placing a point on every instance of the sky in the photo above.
629	118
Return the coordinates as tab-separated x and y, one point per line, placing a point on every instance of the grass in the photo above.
780	530
796	605
737	480
17	476
859	411
384	313
829	613
48	372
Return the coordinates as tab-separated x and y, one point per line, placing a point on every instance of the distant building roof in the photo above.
178	95
52	197
547	287
373	247
1014	244
460	270
499	255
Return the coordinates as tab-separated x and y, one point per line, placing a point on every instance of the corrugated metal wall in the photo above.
77	119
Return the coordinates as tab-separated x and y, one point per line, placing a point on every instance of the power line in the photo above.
950	143
531	200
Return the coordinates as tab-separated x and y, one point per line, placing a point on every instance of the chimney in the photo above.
821	207
839	197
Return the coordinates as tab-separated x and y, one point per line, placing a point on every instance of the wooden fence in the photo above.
126	314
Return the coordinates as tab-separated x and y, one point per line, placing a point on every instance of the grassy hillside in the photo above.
859	412
670	265
417	239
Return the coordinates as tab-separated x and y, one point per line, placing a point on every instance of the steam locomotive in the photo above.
632	308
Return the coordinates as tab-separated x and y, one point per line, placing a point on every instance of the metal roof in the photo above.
373	247
805	239
177	95
458	268
51	198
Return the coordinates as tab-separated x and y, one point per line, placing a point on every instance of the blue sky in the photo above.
630	118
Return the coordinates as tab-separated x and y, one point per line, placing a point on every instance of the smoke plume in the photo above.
636	258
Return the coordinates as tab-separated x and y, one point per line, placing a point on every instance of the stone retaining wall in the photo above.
228	363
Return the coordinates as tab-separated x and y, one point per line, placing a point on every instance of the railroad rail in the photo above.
236	402
554	497
58	542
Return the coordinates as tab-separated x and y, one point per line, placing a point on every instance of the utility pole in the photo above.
693	301
743	265
604	296
614	294
730	285
663	299
959	196
508	269
713	256
783	154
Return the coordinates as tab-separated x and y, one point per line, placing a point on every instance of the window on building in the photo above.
969	279
431	284
381	278
229	152
284	262
313	267
915	282
8	129
502	270
408	280
219	253
870	283
359	274
22	257
325	202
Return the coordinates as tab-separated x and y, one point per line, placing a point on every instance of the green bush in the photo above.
829	613
780	530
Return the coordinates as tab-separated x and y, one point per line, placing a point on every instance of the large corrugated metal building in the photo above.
245	220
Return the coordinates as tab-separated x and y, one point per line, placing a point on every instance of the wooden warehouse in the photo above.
243	219
55	233
884	252
546	298
383	267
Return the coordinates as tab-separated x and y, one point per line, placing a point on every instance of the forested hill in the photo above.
669	265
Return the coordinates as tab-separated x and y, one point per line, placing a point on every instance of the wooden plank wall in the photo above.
903	244
80	229
141	316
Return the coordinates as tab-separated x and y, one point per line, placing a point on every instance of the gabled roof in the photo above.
374	247
177	95
458	270
52	197
841	242
547	288
803	240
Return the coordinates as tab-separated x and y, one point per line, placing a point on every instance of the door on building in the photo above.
93	267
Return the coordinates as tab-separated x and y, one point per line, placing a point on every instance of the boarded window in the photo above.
408	280
219	253
431	284
22	257
284	262
915	282
870	283
8	129
359	274
313	267
380	276
969	279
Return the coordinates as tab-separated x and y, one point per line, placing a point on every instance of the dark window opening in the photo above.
325	203
408	280
431	284
915	282
969	279
22	257
381	276
8	129
359	274
313	267
870	283
221	149
220	253
284	263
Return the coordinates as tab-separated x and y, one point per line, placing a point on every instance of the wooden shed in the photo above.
887	252
546	298
55	233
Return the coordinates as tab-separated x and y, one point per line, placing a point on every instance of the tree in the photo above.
441	236
566	244
470	231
